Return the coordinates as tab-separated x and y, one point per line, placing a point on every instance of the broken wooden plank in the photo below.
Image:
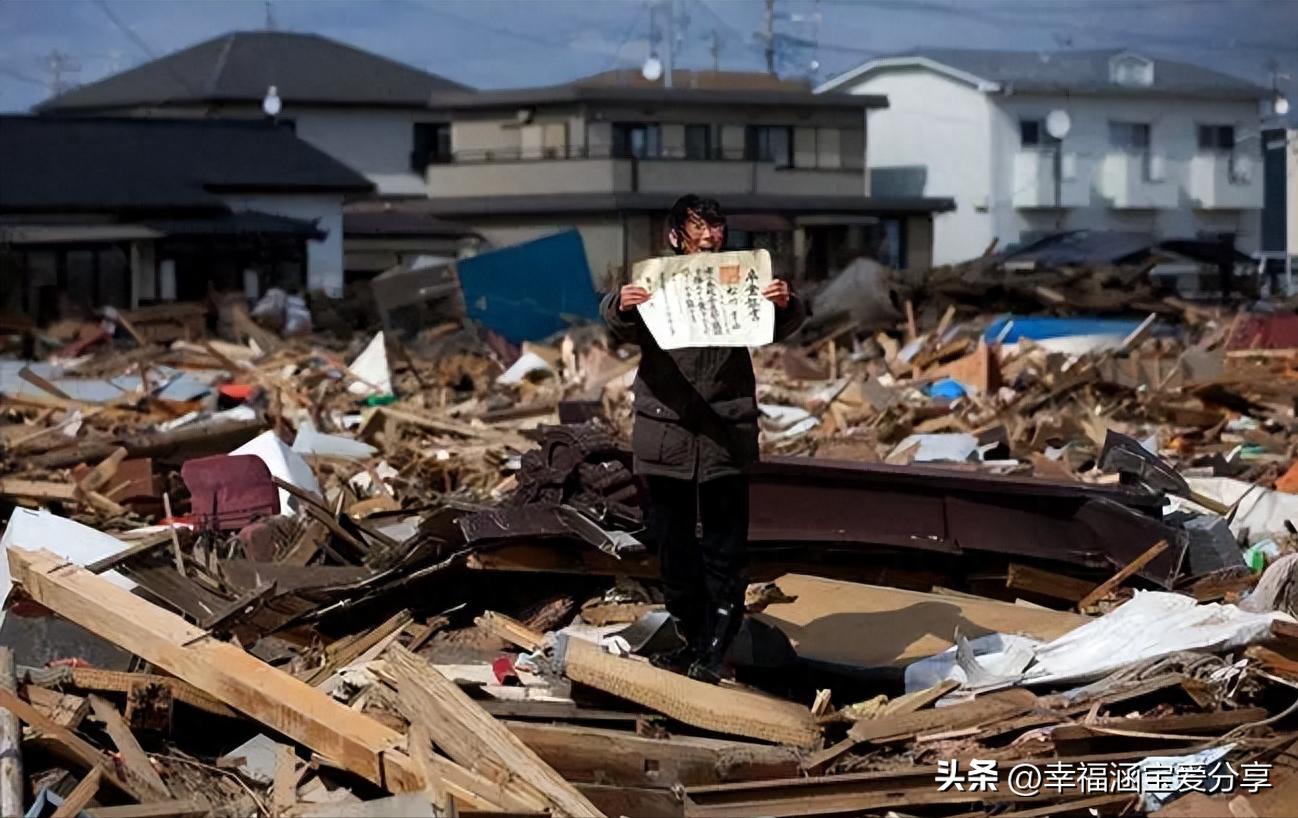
587	754
511	631
420	746
270	696
133	756
64	709
983	710
1046	583
174	808
722	709
43	490
69	743
468	733
1109	585
82	794
283	790
117	681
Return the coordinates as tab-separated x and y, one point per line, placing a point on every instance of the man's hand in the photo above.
777	292
633	295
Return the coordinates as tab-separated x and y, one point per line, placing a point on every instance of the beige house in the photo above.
609	159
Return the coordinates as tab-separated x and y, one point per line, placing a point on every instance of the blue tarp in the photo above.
532	290
1039	328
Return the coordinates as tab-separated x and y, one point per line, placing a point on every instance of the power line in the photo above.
970	12
14	73
626	36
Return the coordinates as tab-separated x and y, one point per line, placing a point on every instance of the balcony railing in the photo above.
1137	180
1225	181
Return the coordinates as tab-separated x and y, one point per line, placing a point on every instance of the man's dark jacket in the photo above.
695	408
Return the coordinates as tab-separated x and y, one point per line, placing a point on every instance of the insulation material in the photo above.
371	367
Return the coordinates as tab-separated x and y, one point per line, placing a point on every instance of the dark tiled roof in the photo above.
401	222
239	66
1081	72
57	163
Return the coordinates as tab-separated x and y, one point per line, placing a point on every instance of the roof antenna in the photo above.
270	17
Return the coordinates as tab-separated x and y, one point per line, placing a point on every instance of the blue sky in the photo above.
503	43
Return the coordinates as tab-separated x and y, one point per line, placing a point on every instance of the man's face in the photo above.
701	236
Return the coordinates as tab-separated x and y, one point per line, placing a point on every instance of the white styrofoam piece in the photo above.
372	366
285	464
954	447
81	544
1002	654
526	364
1152	624
309	440
1260	510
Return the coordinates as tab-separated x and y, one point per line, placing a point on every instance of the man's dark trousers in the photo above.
700	573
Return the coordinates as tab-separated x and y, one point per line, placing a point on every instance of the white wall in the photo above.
374	142
968	140
1173	135
945	125
324	259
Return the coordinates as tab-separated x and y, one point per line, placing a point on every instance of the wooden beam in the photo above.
81	794
620	757
510	630
64	709
420	746
1107	587
283	791
133	756
69	743
176	808
118	681
12	783
1046	583
721	709
39	490
469	734
306	715
990	708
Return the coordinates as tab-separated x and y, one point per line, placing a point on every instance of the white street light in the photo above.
271	105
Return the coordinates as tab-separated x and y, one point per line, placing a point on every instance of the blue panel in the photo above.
1039	328
526	292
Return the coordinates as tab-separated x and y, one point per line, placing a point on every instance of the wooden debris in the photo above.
473	737
723	710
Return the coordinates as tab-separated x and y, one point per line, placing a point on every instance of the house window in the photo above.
1033	134
698	142
432	145
769	143
637	140
1129	136
1216	137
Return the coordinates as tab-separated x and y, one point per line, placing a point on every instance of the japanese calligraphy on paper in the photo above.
707	299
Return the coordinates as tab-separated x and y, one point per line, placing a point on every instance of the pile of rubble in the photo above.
301	576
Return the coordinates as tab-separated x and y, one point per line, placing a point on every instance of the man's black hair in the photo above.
707	209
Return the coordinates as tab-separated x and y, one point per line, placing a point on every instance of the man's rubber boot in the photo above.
711	665
679	659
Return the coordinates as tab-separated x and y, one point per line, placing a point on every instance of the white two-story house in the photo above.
1030	143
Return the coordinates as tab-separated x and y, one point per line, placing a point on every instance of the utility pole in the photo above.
769	36
670	67
716	50
270	17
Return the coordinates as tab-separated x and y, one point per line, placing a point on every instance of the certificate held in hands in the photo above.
707	299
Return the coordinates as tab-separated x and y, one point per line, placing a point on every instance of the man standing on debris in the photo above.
694	437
